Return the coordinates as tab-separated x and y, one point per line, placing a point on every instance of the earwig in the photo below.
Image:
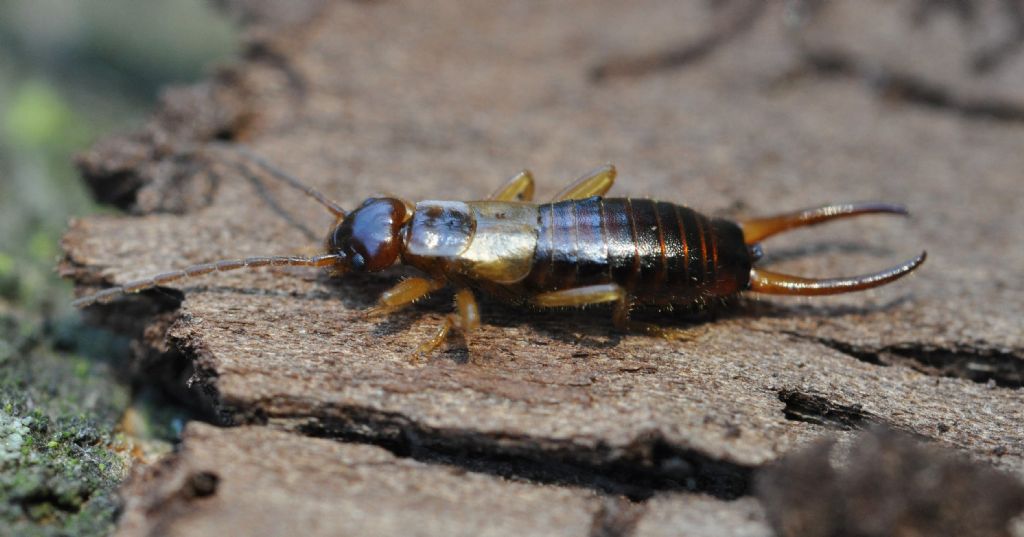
577	250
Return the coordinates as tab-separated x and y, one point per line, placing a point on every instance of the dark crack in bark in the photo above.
910	88
988	58
985	366
637	471
737	18
1003	368
818	410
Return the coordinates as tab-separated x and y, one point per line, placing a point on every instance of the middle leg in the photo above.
518	188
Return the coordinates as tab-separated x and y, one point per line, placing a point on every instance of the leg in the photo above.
435	341
467	310
518	188
403	294
622	321
581	296
597	294
466	317
595	183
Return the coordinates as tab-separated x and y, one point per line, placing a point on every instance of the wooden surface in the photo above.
279	484
740	110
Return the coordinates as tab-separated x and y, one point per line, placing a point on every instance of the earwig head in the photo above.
367	238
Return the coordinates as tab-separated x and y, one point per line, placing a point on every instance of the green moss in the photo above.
59	470
59	395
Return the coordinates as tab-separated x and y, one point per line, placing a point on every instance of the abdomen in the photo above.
659	252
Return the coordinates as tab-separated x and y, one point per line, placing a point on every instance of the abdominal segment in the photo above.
658	252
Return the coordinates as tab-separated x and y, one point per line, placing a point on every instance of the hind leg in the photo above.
621	319
604	293
595	183
581	296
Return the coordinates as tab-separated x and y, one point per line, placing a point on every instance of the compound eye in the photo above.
756	252
357	261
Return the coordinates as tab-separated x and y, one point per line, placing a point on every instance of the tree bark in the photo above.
552	422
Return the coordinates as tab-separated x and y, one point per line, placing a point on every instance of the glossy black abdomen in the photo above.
659	252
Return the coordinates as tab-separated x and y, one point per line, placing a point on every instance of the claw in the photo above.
377	312
757	229
765	281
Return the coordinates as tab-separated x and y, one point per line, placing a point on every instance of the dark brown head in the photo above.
368	237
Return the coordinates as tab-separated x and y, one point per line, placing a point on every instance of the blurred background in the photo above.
71	72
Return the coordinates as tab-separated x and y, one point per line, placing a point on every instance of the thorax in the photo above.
482	240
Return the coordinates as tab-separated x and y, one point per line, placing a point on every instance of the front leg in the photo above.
404	293
466	317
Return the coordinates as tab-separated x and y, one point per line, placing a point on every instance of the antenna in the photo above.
225	265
